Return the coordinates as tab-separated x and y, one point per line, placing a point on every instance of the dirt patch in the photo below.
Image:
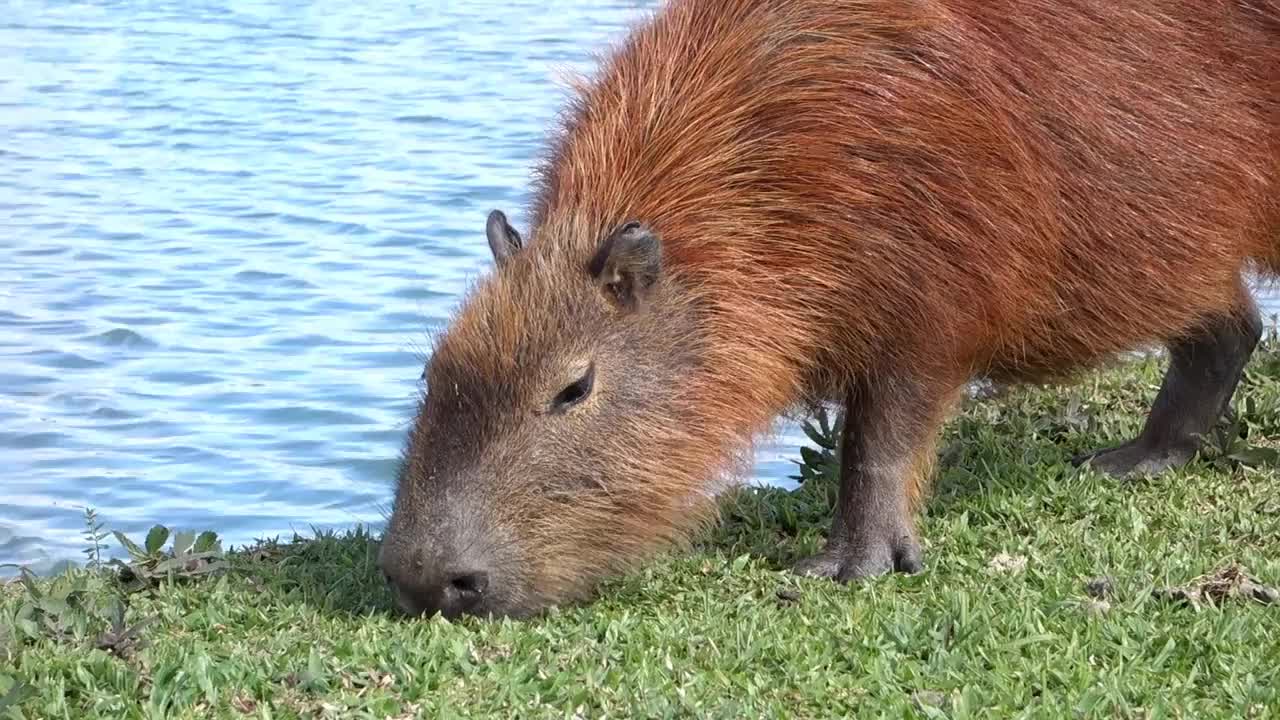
1008	564
923	699
1228	583
244	704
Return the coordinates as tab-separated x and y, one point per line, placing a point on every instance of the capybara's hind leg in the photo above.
889	431
1204	369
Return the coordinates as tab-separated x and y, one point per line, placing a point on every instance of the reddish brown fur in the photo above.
858	189
1027	187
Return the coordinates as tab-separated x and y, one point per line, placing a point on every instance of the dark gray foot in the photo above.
1204	370
883	554
1133	459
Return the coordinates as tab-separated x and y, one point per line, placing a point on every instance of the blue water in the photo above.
227	232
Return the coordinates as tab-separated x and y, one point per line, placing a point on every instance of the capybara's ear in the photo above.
628	263
504	241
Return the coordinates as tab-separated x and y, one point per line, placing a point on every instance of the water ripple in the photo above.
120	337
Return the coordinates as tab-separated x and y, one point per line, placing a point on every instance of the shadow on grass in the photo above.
330	572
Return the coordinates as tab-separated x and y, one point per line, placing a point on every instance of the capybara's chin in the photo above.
757	204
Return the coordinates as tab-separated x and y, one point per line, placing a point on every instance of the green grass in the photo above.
999	625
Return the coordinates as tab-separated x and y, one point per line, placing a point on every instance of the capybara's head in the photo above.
546	451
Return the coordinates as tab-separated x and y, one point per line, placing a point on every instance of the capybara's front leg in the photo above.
889	432
1204	369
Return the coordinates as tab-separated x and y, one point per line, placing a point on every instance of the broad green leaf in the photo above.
29	628
156	538
811	457
206	542
14	695
53	605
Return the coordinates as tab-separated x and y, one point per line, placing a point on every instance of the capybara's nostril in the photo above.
465	591
474	583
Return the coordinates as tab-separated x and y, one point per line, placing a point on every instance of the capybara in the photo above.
755	205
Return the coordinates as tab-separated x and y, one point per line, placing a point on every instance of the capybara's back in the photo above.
760	203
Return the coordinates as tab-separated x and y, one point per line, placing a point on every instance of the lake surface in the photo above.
228	231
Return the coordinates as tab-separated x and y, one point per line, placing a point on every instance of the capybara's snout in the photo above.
427	587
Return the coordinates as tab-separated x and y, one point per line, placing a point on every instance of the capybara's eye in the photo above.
575	393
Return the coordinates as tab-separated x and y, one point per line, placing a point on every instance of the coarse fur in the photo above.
859	200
